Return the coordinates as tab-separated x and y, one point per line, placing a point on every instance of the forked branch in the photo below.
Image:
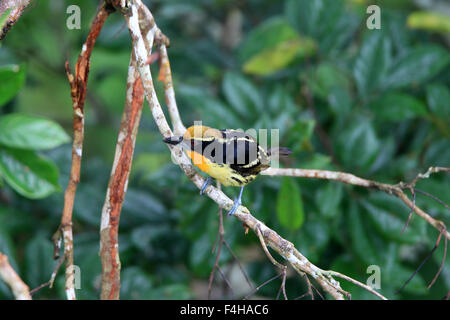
140	20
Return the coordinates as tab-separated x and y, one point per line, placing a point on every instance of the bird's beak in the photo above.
173	140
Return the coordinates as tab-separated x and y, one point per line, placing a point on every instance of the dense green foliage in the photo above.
371	102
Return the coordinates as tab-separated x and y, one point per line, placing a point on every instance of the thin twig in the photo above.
52	277
226	281
276	263
349	178
239	263
433	197
308	283
422	263
441	266
262	285
219	242
266	251
362	285
220	234
411	212
78	84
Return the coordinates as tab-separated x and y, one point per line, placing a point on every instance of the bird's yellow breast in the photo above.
221	172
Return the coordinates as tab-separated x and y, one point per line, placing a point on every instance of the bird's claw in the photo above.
237	203
207	182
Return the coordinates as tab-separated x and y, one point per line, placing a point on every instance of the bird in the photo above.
232	157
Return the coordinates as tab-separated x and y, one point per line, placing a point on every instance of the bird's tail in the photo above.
279	151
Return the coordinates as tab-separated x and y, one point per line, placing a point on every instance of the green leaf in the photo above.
39	260
135	284
417	66
398	106
281	102
438	153
313	238
242	95
200	254
360	242
388	215
304	15
6	243
29	174
27	132
274	59
313	17
328	199
316	161
267	35
272	46
324	20
300	134
339	101
214	112
144	206
172	292
290	211
438	97
327	77
12	78
398	275
357	144
345	264
430	21
372	62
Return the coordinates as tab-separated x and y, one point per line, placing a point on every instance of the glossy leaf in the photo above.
398	107
357	144
28	132
416	66
430	21
372	62
135	284
12	78
328	199
388	214
267	35
300	134
39	260
274	59
361	242
272	45
242	95
327	77
438	97
214	112
28	173
290	210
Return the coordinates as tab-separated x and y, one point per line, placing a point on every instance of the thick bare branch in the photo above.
14	10
12	279
117	186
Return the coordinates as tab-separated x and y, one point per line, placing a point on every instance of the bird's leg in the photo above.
207	182
237	203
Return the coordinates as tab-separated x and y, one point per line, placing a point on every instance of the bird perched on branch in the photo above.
229	156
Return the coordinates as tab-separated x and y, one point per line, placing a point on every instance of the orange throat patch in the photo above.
199	161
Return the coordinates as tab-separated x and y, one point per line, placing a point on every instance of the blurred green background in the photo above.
375	103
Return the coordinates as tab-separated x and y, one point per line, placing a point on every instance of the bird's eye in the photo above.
192	143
